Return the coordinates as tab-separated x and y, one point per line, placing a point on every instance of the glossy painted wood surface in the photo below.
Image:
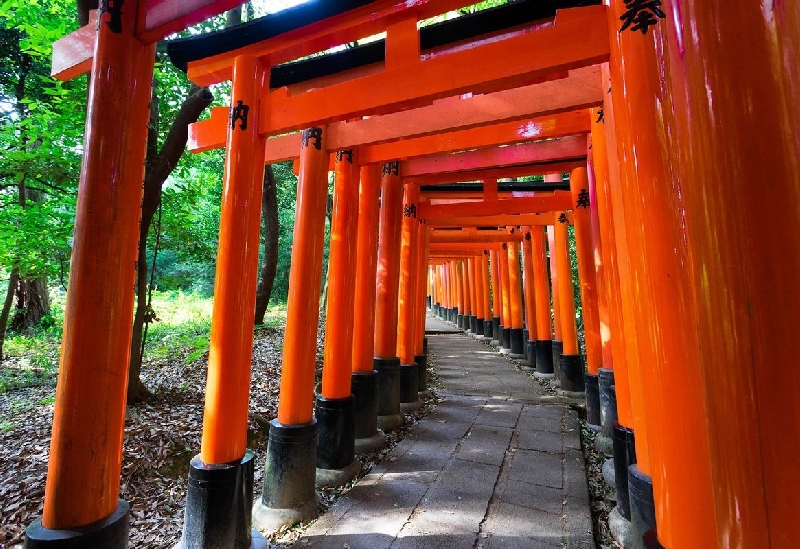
366	268
296	402
231	341
86	447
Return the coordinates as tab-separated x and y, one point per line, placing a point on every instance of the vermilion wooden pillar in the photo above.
584	248
387	363
85	450
571	363
607	286
516	339
289	475
461	290
543	346
487	309
743	240
364	378
627	449
558	344
529	296
663	293
497	298
420	345
467	281
224	460
480	297
505	298
473	292
335	407
406	346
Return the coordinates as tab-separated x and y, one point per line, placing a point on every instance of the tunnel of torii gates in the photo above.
680	131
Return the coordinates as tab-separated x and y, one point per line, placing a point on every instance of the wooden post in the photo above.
335	407
86	448
364	379
289	477
409	398
387	363
743	239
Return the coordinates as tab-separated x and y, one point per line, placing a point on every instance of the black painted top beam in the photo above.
502	186
493	20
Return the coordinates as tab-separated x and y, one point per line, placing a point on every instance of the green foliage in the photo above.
41	133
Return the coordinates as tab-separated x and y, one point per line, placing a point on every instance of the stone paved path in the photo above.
496	465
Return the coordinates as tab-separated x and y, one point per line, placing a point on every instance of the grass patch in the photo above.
182	332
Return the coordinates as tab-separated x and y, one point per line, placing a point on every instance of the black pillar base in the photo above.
425	346
530	353
525	335
516	339
335	432
388	393
544	357
487	329
558	348
460	321
365	404
650	540
454	314
365	424
592	400
497	335
506	335
108	533
422	374
428	300
608	401
289	476
624	456
572	374
479	326
643	507
409	392
218	503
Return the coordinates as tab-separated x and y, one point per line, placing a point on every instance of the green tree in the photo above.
41	129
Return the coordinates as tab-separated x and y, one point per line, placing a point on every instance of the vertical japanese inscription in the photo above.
312	133
239	112
114	10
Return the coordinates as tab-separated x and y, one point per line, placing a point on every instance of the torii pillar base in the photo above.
109	533
289	475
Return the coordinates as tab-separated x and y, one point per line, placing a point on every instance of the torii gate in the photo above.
675	263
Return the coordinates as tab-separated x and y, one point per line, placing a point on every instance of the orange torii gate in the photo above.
316	110
675	202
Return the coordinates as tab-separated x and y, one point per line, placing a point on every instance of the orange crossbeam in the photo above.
493	221
577	38
539	168
160	18
320	36
504	110
506	133
474	237
475	247
567	148
546	202
72	54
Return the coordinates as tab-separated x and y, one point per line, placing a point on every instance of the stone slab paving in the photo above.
496	465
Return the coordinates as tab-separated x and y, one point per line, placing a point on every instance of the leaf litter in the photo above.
160	438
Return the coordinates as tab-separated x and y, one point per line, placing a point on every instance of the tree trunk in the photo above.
33	303
158	167
33	300
12	284
269	266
